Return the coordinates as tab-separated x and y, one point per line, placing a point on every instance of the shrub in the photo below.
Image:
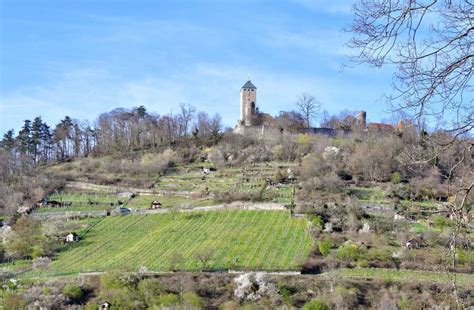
150	289
26	238
41	263
193	299
396	177
281	176
118	280
13	301
73	292
316	304
349	251
441	222
317	221
286	291
380	254
465	257
324	246
305	141
278	152
167	300
344	298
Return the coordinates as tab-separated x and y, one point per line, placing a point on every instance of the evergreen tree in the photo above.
36	137
47	138
8	141
24	138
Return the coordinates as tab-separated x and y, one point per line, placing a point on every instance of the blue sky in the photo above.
81	58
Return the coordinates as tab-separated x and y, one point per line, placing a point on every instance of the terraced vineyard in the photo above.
235	239
177	189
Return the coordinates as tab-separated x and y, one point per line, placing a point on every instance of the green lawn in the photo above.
238	239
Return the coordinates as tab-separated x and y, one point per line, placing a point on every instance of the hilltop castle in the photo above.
252	121
250	117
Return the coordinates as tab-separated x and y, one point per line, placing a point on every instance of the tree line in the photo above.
118	131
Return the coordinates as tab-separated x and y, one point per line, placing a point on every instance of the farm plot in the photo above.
71	201
167	201
233	239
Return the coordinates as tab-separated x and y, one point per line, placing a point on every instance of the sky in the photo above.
85	57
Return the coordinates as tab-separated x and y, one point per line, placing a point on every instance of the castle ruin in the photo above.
253	122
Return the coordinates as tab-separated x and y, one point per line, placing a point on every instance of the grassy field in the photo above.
239	239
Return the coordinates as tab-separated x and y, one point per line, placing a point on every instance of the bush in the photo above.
324	246
380	254
396	177
317	221
41	263
349	251
281	176
73	292
441	222
118	280
277	152
150	289
13	301
193	299
316	304
167	300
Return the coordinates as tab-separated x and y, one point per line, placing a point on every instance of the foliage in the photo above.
14	301
396	177
73	291
193	299
317	221
349	251
26	238
316	304
324	246
168	300
149	290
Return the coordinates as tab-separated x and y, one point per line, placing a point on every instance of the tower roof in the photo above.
249	84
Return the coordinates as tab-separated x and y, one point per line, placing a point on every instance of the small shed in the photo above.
155	205
105	305
206	171
412	244
72	237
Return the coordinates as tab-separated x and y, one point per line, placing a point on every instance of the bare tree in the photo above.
175	260
430	42
187	114
308	106
204	255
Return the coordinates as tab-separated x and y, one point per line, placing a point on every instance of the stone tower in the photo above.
248	103
361	119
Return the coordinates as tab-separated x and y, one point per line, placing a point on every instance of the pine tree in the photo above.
8	141
36	135
24	138
47	138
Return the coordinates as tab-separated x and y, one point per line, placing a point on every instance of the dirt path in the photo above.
232	206
118	189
